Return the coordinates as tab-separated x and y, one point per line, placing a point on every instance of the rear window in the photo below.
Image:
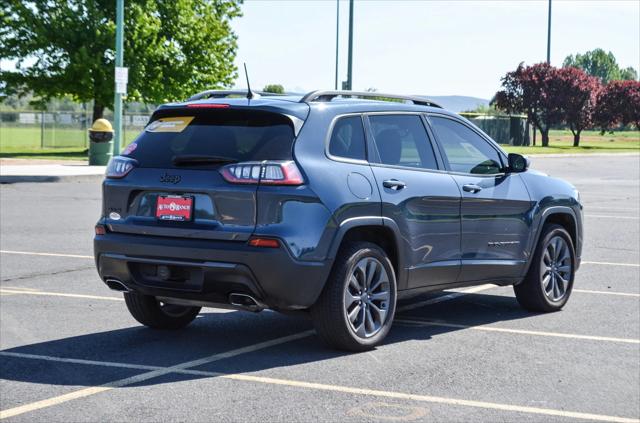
234	134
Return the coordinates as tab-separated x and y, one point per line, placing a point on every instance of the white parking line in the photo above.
447	297
58	294
31	253
613	216
622	294
82	393
518	331
290	383
608	263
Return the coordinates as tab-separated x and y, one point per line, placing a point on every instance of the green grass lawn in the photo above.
19	142
590	142
63	144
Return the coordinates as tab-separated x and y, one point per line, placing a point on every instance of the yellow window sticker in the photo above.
170	124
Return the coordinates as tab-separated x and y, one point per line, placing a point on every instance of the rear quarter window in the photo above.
234	134
347	138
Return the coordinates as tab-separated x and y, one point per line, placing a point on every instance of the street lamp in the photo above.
549	35
121	77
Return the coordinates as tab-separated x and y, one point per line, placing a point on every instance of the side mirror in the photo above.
518	163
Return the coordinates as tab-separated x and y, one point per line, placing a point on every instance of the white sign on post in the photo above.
122	77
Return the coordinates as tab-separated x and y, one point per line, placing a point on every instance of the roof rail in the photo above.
321	95
227	93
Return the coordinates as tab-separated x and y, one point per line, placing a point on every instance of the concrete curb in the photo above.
14	179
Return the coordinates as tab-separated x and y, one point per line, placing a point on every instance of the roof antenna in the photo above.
250	94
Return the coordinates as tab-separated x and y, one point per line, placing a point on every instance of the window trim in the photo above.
327	142
376	161
489	141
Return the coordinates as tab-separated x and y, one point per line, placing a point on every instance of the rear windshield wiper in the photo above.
196	159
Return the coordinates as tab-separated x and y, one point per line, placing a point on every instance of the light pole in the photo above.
549	35
117	103
350	59
337	41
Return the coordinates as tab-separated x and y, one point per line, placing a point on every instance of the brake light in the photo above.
264	242
207	106
119	167
266	172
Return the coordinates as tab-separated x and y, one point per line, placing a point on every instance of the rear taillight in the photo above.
119	167
267	172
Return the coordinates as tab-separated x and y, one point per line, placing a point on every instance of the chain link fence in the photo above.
511	130
33	130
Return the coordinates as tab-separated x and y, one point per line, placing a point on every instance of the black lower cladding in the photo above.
205	270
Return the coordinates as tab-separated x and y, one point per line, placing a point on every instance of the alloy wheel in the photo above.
556	268
367	297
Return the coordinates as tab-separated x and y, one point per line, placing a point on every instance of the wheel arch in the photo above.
380	231
561	215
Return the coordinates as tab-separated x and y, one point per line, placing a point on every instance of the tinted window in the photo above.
233	134
465	150
347	138
402	141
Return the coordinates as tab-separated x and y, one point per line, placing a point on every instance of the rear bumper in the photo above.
208	271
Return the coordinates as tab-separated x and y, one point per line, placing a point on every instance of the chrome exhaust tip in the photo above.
116	285
246	302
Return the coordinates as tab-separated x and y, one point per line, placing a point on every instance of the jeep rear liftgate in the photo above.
194	172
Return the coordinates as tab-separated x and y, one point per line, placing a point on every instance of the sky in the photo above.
425	47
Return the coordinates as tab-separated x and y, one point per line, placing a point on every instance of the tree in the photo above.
600	64
628	74
273	88
531	90
66	47
576	93
618	104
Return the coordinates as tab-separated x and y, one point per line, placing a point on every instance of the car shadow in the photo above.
215	333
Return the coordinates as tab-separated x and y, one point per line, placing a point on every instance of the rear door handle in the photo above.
394	184
473	188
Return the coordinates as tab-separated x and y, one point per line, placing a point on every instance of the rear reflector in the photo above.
101	230
207	106
264	242
266	173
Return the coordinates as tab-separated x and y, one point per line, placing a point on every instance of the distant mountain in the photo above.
458	103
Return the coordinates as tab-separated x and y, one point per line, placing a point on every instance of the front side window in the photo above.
464	149
402	140
347	139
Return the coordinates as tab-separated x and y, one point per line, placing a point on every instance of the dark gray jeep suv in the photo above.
335	203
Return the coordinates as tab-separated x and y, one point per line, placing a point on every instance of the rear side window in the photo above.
347	138
402	140
465	150
232	134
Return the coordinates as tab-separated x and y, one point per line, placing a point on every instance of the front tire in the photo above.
356	308
549	281
157	315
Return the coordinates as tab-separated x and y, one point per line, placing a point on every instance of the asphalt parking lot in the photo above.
69	351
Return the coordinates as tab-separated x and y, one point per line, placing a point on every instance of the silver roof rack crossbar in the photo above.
227	93
330	95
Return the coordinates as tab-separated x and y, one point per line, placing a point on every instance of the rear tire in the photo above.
154	314
356	308
549	281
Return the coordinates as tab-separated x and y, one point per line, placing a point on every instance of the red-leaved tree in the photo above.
576	93
531	90
618	103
